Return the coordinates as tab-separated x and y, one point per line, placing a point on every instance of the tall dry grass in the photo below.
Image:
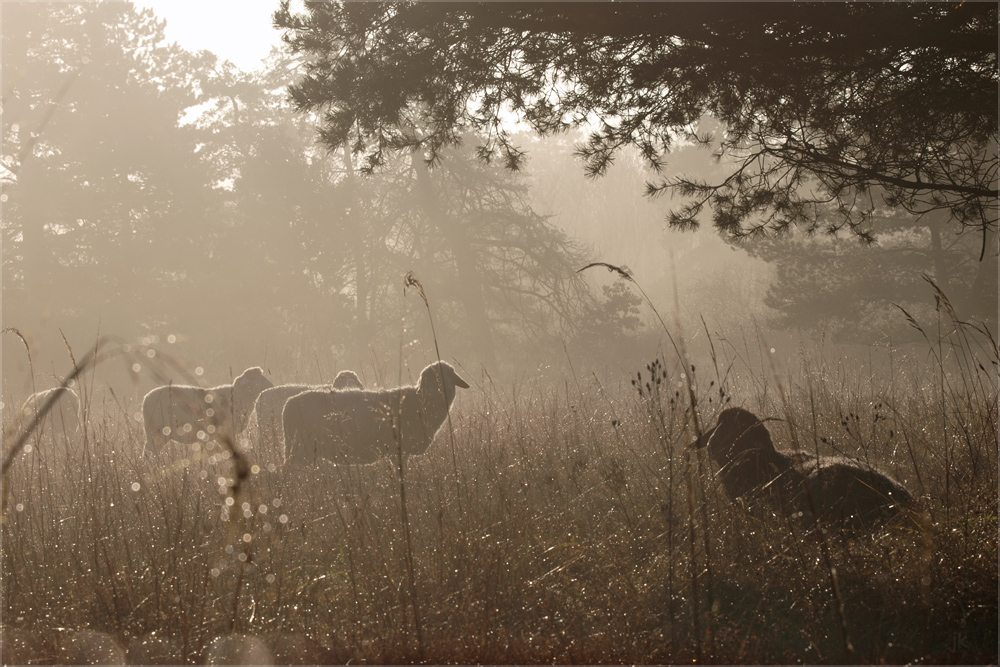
579	529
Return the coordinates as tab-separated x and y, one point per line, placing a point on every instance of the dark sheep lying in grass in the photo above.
357	426
840	491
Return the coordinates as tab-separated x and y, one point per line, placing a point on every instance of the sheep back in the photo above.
848	494
64	413
354	426
246	388
271	402
179	412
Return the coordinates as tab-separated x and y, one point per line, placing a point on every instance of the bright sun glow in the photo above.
236	30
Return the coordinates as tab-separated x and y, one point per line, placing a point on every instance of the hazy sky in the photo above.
237	30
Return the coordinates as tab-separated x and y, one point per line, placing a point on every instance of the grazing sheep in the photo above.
842	492
180	412
271	402
359	426
64	414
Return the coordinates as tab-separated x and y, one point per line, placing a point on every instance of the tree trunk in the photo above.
355	237
942	276
470	285
983	298
34	212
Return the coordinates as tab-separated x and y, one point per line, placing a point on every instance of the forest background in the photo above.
191	215
171	198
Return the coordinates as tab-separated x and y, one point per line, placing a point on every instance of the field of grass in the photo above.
567	524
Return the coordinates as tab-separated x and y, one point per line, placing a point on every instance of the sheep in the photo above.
840	492
355	426
64	414
186	414
271	402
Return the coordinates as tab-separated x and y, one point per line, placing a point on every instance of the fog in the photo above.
169	201
621	462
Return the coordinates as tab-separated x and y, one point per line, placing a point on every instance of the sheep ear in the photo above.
703	440
459	382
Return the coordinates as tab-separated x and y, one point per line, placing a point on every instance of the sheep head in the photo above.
437	376
737	435
246	388
347	380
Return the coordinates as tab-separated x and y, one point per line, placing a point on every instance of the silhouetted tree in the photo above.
860	104
285	238
105	195
822	283
327	250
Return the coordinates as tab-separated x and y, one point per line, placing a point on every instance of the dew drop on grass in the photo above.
199	371
20	506
270	578
229	501
171	339
28	448
136	368
135	486
283	518
151	353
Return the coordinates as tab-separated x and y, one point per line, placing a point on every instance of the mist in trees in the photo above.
170	198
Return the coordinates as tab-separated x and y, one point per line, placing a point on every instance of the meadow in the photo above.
547	523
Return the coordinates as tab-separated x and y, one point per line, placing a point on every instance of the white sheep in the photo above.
64	414
271	402
358	426
186	414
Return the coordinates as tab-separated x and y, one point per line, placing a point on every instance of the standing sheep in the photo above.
180	412
359	426
64	415
271	402
842	492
